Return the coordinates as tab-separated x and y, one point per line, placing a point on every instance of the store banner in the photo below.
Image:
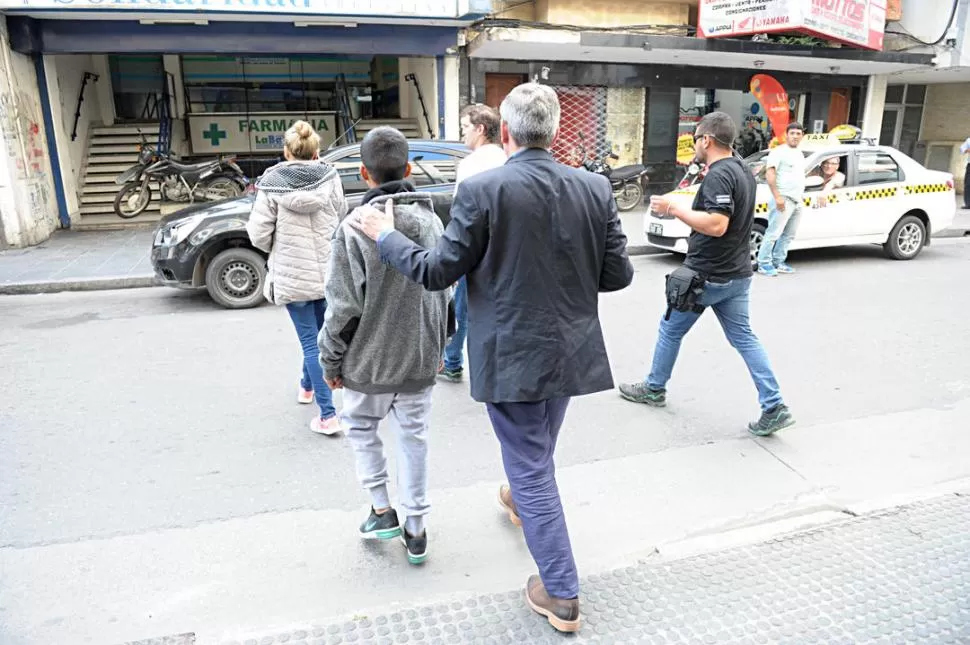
685	148
855	22
774	99
225	133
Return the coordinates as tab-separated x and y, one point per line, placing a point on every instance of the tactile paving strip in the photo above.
890	578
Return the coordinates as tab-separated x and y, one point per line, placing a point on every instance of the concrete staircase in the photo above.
410	128
113	150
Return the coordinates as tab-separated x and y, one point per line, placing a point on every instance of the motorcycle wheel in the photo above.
132	199
629	197
219	188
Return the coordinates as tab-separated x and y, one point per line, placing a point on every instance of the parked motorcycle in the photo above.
625	180
208	181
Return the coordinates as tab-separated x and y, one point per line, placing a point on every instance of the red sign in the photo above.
774	99
855	22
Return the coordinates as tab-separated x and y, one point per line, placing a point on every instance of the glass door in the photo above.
889	134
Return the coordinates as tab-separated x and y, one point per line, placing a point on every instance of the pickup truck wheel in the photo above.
235	278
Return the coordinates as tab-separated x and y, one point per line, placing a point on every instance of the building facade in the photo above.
85	80
633	76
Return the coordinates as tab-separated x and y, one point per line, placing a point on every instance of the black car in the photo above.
206	245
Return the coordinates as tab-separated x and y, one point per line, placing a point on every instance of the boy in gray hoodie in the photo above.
382	340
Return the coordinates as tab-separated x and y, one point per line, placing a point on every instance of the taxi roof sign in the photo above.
838	135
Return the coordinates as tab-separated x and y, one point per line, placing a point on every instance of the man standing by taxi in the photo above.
786	179
718	258
480	132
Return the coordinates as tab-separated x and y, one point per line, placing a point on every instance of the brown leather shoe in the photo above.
561	614
505	499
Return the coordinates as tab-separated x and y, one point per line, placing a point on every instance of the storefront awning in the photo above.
305	12
525	44
33	36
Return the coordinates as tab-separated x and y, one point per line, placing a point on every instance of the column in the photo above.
452	99
875	103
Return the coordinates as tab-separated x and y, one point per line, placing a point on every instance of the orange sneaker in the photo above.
305	396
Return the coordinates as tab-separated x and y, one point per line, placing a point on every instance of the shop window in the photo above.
915	94
876	168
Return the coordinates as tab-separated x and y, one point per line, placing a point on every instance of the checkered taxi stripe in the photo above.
875	193
917	189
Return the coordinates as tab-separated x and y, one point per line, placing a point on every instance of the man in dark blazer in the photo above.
538	241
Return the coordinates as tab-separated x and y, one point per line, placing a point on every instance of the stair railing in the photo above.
88	76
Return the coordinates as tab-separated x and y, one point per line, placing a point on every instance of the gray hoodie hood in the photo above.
299	186
413	213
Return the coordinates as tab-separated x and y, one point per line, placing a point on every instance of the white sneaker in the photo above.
329	427
305	396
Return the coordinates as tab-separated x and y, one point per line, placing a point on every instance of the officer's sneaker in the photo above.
771	421
784	268
768	270
380	527
642	393
416	545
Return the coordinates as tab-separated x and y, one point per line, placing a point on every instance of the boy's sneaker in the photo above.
329	427
416	545
305	396
453	376
784	268
768	270
771	421
380	527
642	393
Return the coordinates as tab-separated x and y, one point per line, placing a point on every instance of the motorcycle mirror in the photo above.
614	156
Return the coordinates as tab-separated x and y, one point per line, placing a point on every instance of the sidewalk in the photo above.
896	576
92	260
662	540
79	261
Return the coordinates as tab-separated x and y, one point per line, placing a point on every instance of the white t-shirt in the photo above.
789	165
837	181
489	156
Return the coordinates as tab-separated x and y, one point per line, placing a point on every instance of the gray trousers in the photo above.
408	415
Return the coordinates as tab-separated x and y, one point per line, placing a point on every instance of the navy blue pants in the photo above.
527	433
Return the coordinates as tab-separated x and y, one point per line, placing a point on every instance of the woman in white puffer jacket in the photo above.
299	205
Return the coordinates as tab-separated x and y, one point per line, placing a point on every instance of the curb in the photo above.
78	284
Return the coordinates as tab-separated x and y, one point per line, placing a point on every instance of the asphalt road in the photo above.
129	413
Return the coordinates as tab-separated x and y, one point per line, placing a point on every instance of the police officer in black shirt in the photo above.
719	251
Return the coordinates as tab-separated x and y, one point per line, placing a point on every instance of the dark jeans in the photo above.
454	351
730	302
527	433
308	320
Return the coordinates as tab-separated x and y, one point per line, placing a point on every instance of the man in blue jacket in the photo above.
537	241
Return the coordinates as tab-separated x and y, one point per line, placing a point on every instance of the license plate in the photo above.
656	229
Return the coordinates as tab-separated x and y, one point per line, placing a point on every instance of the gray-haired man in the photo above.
538	242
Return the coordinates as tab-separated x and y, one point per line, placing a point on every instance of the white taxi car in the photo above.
888	199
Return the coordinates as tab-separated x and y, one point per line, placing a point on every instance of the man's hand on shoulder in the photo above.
371	221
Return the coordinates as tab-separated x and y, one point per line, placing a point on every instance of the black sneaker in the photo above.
641	393
416	545
771	421
380	527
454	376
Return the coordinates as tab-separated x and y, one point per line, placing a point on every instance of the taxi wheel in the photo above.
907	239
